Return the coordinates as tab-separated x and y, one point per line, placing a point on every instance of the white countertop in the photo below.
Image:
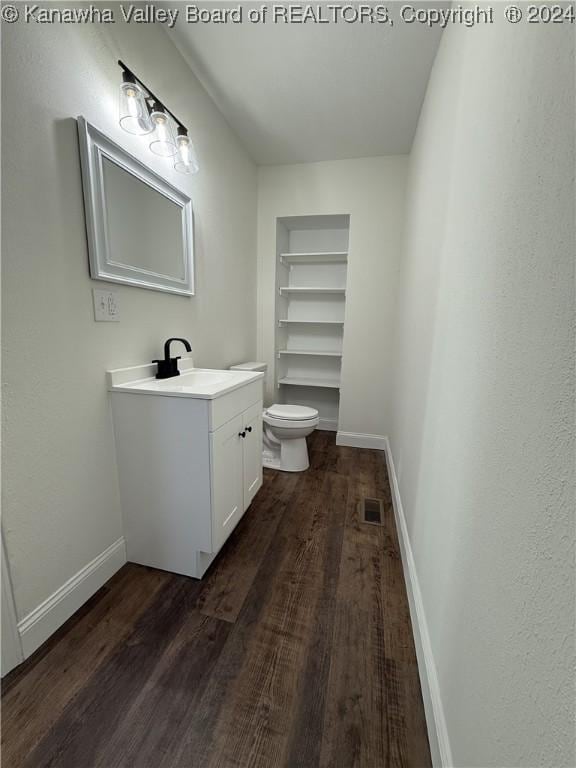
202	383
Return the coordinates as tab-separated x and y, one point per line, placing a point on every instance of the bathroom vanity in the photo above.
189	454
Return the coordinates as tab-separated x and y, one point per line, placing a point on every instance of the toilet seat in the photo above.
290	424
291	412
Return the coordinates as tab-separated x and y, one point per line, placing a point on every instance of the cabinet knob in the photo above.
241	434
248	429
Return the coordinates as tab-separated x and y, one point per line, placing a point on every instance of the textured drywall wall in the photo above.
483	434
61	503
372	191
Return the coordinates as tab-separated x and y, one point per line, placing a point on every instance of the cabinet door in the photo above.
227	480
252	449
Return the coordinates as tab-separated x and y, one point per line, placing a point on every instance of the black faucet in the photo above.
168	367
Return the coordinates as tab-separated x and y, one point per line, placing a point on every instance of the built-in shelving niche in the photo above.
311	268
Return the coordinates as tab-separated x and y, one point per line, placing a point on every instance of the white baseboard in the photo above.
435	720
359	440
329	425
12	654
44	620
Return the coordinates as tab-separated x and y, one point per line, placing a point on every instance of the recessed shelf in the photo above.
315	353
311	290
332	257
286	321
305	382
310	302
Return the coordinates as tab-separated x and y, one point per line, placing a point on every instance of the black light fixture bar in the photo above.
152	96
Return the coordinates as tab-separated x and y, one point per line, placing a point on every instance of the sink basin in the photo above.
195	379
204	383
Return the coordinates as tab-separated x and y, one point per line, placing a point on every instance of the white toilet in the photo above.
285	429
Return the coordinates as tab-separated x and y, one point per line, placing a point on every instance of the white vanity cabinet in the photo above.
189	461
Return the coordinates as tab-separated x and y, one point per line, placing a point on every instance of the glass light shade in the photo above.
163	143
134	116
186	160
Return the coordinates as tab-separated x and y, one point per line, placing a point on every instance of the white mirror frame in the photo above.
94	147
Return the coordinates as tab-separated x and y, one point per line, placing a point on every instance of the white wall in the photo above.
483	432
371	190
61	496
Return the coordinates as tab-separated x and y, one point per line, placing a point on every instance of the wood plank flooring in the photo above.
294	651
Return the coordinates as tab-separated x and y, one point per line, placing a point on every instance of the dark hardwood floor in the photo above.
295	649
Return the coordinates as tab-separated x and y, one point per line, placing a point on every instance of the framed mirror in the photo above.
140	228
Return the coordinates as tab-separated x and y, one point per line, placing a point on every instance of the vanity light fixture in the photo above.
142	113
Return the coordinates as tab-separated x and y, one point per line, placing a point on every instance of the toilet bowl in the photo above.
285	429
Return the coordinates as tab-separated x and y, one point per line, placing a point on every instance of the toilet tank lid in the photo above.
292	412
249	367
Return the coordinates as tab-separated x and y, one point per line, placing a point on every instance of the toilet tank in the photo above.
251	366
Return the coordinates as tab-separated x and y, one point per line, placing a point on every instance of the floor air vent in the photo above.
372	511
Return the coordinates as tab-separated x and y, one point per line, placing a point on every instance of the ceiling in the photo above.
305	92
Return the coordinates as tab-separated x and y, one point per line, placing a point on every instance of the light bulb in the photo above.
131	101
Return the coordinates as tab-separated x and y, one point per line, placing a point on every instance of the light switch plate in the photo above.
106	309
